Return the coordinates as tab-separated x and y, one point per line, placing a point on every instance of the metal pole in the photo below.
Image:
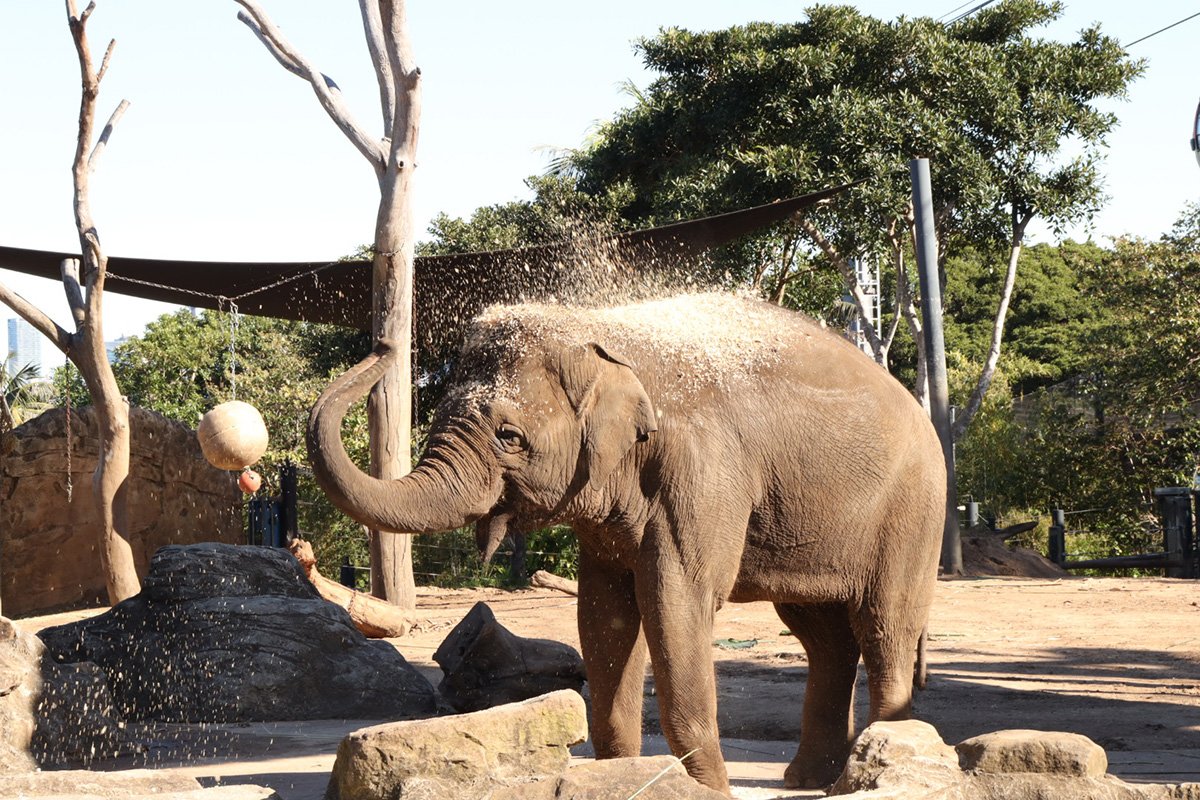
1057	544
935	353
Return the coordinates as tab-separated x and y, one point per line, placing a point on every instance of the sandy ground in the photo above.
1115	659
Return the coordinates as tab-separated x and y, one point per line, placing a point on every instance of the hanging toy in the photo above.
249	481
232	435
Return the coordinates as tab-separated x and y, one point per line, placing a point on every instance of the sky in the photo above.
223	155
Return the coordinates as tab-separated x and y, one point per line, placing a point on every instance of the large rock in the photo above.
134	784
77	720
51	714
49	541
460	756
889	755
487	665
221	633
620	778
909	761
20	679
1033	751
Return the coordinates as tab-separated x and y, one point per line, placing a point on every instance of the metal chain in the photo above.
234	322
220	298
70	485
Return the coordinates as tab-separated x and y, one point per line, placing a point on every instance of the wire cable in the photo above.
1160	30
956	8
966	14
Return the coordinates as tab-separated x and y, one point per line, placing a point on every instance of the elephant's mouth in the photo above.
501	522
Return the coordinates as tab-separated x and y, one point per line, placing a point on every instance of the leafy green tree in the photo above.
1125	419
17	393
759	112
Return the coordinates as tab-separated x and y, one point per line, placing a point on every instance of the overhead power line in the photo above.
956	8
1160	30
969	12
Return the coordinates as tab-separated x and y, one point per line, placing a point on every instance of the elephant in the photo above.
705	448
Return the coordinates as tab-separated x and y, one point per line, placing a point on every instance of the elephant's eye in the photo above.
510	438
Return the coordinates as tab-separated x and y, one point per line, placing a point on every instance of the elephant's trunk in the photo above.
450	487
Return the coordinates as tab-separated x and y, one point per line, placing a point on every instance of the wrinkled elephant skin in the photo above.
705	448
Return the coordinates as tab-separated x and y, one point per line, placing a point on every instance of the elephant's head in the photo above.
527	424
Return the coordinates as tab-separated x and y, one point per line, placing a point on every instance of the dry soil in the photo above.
1115	659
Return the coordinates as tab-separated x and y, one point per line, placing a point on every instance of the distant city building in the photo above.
24	347
111	347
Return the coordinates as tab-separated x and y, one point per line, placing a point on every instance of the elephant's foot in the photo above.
813	771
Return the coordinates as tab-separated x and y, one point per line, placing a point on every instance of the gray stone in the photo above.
1033	751
221	633
487	665
465	753
909	753
49	542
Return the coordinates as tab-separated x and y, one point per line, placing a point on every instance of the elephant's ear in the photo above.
611	404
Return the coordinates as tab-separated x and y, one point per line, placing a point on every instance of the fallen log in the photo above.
548	580
374	618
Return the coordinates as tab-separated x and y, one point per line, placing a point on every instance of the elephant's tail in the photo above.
921	668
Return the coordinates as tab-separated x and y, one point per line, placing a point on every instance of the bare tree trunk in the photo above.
993	357
87	349
110	481
393	158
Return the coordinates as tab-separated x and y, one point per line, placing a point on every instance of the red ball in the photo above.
249	481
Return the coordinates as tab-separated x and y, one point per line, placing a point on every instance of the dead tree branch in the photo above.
326	90
378	49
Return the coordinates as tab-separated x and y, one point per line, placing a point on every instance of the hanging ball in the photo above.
232	435
249	481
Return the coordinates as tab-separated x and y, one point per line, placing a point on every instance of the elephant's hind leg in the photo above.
889	638
827	724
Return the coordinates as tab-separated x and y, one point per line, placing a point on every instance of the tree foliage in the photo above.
759	112
1123	417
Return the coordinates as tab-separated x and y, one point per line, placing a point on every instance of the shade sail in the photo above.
454	286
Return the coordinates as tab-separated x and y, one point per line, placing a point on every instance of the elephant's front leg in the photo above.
614	651
677	616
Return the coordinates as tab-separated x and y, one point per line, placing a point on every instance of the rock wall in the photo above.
48	554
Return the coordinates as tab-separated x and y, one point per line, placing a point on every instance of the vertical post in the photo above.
1057	545
1175	507
346	574
935	353
972	514
289	521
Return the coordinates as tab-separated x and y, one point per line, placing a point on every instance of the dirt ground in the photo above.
1115	659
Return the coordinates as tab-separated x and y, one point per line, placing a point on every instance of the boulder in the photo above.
909	761
20	679
908	754
1033	751
49	540
222	633
460	756
620	778
77	720
487	665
